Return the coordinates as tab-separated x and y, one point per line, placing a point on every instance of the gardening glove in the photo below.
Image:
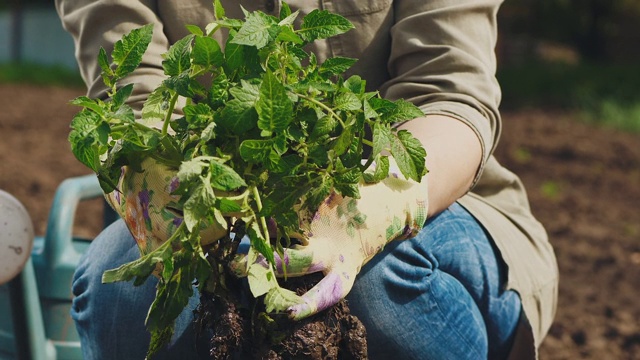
345	233
144	201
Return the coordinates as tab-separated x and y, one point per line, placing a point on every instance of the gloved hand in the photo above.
144	202
345	233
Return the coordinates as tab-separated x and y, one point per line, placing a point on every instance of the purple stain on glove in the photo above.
144	197
173	185
328	292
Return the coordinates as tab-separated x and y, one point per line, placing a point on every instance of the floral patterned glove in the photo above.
146	205
345	233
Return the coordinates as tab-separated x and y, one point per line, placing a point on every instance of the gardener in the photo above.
480	279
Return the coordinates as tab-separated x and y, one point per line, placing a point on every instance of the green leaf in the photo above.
381	170
191	169
121	96
139	269
224	178
95	105
255	151
336	66
347	101
343	142
402	111
207	52
200	205
409	155
107	72
195	30
381	138
84	150
286	15
155	108
177	60
127	52
218	9
238	116
198	116
260	243
275	109
324	126
321	24
280	299
255	30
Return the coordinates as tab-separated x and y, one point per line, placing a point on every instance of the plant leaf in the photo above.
321	24
207	52
275	109
127	52
409	155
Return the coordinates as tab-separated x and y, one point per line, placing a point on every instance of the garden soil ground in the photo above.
583	182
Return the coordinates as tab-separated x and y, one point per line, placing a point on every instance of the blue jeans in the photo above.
439	295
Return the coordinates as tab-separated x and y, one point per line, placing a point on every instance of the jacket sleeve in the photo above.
94	24
442	59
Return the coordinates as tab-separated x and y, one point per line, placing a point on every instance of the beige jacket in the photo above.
438	54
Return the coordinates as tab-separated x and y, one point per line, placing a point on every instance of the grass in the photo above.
603	94
37	74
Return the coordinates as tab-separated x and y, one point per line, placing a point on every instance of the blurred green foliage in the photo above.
602	93
594	27
39	74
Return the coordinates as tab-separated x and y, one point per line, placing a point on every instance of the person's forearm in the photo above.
453	157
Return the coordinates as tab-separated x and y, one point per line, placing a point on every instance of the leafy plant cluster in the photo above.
274	132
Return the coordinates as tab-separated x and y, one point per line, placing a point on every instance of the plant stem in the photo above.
323	106
167	119
262	222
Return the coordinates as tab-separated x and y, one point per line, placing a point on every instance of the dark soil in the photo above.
583	182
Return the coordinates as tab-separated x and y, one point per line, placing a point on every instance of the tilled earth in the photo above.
583	182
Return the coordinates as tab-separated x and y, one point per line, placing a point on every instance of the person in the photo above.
478	281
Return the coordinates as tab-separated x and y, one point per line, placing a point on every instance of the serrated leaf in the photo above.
178	59
254	31
286	34
207	52
238	116
324	126
280	299
275	109
401	110
247	93
321	24
336	66
121	96
381	138
255	151
95	105
347	101
83	149
227	206
200	205
224	178
382	168
198	115
286	16
260	243
195	30
343	142
409	154
155	108
127	52
218	9
103	61
191	169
